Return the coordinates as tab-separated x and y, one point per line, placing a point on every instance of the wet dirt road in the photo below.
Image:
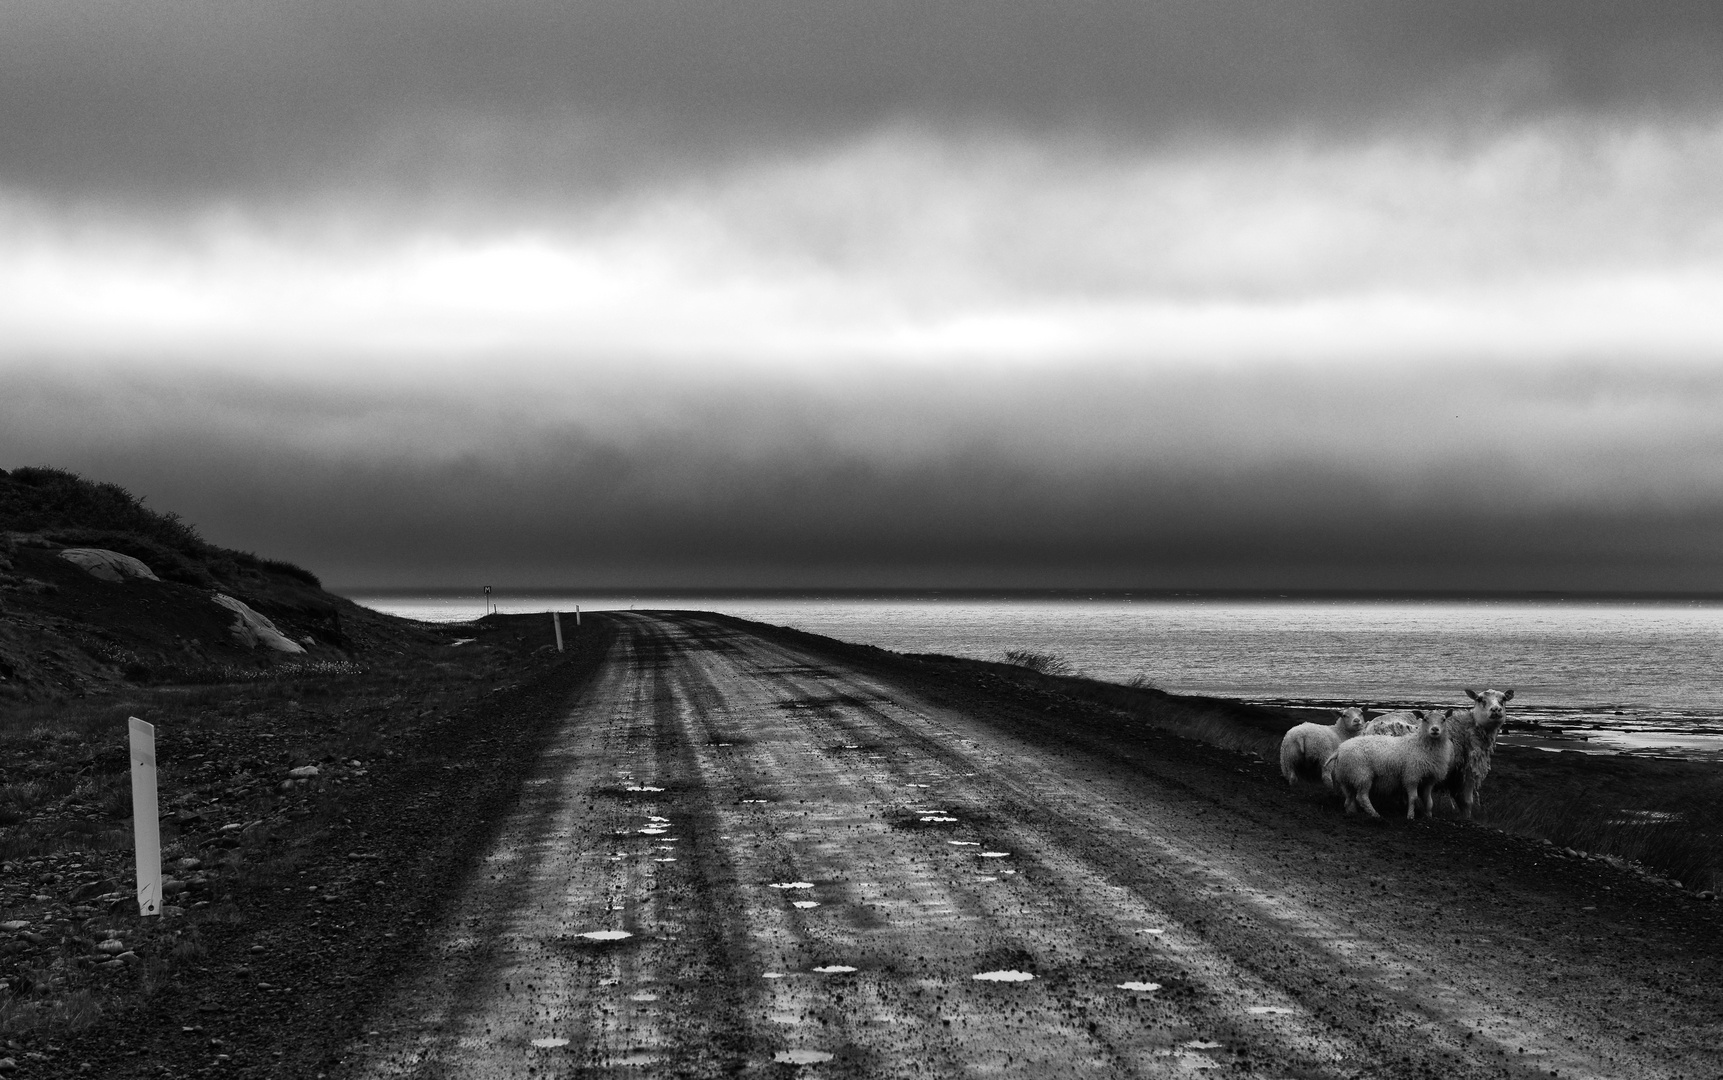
740	856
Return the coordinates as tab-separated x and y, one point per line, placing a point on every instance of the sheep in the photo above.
1474	737
1386	764
1398	722
1307	746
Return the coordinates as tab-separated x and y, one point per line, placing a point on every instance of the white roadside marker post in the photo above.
146	826
577	614
556	617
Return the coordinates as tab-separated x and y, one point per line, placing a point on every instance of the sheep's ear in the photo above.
1473	694
1419	713
1508	695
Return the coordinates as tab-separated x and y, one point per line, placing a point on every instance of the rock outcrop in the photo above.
250	629
108	565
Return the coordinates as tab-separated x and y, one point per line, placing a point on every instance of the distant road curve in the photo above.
813	858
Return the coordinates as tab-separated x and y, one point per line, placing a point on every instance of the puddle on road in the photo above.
995	854
1140	987
643	996
938	817
1003	976
801	1057
657	820
1190	1060
791	885
835	969
653	832
747	802
1270	1010
605	935
663	860
1201	1044
964	843
806	903
550	1042
772	975
1157	933
642	787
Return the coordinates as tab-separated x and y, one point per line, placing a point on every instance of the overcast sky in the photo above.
1129	293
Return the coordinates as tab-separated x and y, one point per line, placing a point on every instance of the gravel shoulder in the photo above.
310	896
744	850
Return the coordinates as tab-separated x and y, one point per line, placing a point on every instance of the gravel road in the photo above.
742	854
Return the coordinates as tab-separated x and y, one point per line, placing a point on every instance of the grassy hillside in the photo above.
64	633
65	509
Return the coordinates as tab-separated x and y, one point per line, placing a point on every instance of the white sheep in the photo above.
1389	764
1473	733
1307	746
1398	722
1474	737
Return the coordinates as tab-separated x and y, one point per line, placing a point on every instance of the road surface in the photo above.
821	870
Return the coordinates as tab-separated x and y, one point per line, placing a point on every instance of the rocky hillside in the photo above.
98	591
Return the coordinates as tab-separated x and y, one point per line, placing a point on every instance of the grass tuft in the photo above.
1042	663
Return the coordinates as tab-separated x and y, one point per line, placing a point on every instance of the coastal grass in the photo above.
1042	663
1666	816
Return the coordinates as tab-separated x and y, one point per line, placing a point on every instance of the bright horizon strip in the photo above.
1549	241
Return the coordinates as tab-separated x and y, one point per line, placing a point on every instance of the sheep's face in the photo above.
1433	725
1352	721
1489	707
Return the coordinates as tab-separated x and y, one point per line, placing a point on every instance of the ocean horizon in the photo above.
1613	673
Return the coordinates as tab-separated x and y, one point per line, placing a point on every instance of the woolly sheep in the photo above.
1474	736
1307	746
1398	722
1388	764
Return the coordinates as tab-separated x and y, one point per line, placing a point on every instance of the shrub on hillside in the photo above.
38	499
66	509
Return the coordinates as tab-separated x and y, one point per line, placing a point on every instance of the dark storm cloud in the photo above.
199	99
1578	478
578	514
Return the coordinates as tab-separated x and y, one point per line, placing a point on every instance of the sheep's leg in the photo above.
1464	798
1412	800
1351	795
1427	798
1364	801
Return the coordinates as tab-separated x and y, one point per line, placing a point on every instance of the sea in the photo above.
1639	677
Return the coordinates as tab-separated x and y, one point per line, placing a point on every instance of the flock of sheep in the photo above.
1414	752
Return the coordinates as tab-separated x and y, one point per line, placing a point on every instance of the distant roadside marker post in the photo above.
487	599
556	618
577	614
146	825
